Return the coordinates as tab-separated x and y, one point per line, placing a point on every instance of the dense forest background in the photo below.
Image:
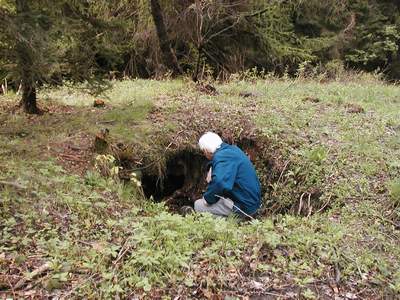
53	41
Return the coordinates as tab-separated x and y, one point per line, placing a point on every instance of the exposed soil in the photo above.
74	153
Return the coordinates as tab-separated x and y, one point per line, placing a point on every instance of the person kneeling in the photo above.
233	185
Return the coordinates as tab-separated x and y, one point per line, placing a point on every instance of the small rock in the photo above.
99	103
257	285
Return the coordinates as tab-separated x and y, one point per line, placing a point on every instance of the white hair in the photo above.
210	142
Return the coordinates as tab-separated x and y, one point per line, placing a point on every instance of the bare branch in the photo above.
222	31
257	13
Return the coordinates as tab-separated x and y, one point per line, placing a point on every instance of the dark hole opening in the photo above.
158	188
184	178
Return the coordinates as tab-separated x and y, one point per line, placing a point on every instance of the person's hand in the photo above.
208	178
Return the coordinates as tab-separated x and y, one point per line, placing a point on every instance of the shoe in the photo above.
186	210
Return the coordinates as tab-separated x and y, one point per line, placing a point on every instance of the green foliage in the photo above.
56	41
380	47
317	155
101	238
277	35
394	191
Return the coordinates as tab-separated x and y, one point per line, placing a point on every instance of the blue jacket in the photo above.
233	176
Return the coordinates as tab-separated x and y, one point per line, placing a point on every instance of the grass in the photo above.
102	239
136	93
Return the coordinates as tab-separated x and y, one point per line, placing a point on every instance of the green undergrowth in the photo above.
100	238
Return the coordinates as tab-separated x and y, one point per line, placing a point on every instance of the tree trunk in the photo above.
29	99
195	76
25	59
168	56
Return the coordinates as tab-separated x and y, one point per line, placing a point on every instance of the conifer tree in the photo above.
45	42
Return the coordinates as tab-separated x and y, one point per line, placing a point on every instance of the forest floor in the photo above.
79	224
